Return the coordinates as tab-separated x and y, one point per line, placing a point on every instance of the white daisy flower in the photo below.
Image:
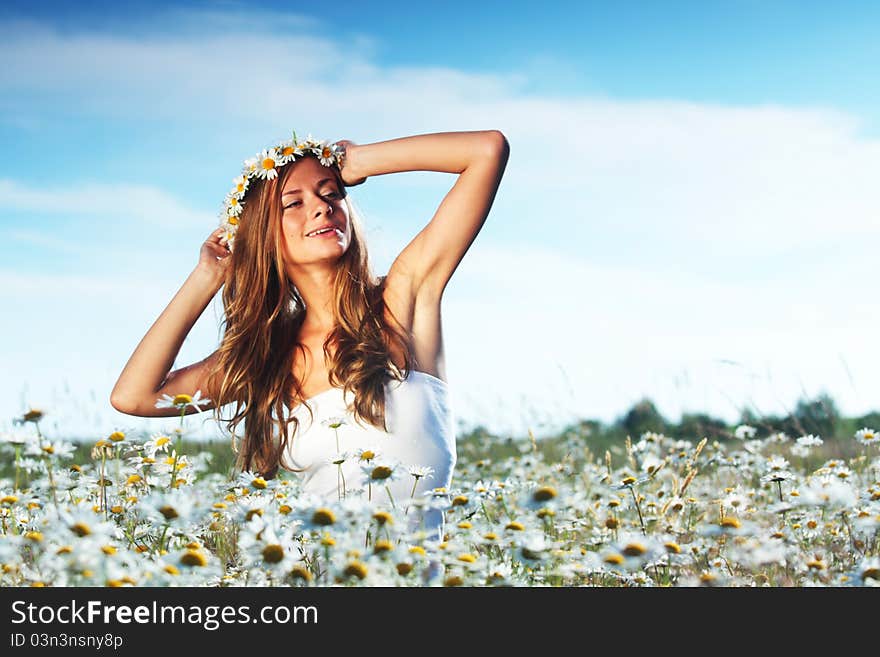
809	441
240	185
233	206
334	422
267	164
288	151
158	442
339	459
326	155
182	400
419	471
744	431
867	436
381	472
250	167
367	454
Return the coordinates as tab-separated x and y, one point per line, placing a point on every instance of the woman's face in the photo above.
311	200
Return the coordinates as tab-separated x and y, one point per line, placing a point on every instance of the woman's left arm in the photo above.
479	157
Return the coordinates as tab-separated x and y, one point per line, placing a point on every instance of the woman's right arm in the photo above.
146	376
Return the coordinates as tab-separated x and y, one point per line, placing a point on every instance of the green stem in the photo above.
388	490
639	509
17	457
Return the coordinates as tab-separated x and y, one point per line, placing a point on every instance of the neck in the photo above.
315	286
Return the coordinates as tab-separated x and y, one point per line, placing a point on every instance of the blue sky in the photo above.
690	186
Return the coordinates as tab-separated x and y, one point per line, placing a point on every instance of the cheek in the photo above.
290	226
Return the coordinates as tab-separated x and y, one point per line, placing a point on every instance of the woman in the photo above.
312	338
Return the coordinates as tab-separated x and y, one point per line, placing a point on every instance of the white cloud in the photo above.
142	204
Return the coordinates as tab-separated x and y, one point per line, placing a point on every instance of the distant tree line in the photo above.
818	416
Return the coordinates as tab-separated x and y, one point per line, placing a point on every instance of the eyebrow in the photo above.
295	191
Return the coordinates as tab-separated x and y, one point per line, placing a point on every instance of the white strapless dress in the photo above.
421	433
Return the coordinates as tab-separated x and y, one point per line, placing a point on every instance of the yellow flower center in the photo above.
382	545
404	568
417	549
468	558
367	455
300	572
80	529
515	526
634	549
383	517
323	517
273	553
356	569
544	494
614	559
873	573
34	536
181	399
193	558
259	482
117	436
672	547
169	512
380	472
268	164
453	580
730	522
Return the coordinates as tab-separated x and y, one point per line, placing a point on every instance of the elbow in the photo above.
120	404
497	143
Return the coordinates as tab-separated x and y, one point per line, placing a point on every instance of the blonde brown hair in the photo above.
263	313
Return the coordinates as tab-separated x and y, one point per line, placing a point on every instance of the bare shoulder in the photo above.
418	312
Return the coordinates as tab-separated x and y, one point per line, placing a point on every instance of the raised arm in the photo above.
479	157
146	376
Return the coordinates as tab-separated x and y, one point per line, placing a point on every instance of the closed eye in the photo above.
294	203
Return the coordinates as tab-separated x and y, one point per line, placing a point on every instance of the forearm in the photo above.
154	356
449	152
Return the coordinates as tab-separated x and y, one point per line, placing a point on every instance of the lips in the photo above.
312	232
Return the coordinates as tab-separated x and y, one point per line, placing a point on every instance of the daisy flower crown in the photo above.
265	165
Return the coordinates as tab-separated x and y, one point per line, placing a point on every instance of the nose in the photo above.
324	207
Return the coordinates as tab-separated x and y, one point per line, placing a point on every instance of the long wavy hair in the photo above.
263	313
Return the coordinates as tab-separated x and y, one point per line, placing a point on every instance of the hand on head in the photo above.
214	254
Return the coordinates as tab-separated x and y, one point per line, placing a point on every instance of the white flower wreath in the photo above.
265	165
